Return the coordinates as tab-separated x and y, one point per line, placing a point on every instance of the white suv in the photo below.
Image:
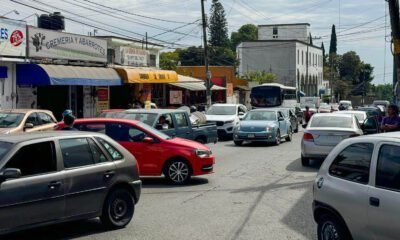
357	190
226	117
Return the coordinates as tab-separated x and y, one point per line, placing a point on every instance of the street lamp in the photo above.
13	11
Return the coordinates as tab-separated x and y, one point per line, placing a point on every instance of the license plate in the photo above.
251	136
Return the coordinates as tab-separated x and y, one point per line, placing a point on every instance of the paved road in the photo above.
257	192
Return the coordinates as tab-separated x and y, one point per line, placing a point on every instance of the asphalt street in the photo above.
258	191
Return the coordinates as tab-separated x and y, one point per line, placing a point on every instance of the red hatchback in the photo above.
157	153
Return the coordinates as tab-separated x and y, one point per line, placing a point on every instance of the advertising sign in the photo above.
12	38
102	102
131	56
45	43
26	97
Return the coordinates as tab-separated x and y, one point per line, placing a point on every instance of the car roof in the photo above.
155	111
265	110
382	136
107	120
24	110
351	111
333	114
227	104
24	137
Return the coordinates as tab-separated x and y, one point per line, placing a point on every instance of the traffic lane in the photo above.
257	192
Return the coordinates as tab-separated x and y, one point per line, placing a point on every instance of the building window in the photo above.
275	32
152	60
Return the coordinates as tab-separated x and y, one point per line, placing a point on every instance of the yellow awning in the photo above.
145	75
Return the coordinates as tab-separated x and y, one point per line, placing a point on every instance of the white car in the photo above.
226	117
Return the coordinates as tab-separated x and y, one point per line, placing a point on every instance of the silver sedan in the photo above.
324	132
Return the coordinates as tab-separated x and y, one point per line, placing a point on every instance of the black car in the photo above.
54	177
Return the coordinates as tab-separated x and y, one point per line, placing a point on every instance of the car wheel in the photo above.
118	209
178	172
305	161
278	138
329	228
289	135
238	143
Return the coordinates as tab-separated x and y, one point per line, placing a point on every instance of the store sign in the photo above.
45	43
131	56
103	99
26	97
12	38
175	97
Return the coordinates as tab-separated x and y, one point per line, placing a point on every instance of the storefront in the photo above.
12	51
85	90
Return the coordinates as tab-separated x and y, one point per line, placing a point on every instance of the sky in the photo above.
361	26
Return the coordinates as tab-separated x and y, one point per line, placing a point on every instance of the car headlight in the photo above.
268	129
203	153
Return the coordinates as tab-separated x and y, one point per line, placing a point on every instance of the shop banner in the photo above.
26	97
47	44
103	99
131	56
175	97
12	38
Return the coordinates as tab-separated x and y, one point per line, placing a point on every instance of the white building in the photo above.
284	50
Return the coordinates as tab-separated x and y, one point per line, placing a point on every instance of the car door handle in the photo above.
109	174
374	201
55	184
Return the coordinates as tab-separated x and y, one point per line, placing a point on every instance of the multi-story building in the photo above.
285	50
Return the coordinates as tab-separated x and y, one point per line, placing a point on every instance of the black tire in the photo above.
178	171
278	138
305	161
238	143
118	209
289	135
330	227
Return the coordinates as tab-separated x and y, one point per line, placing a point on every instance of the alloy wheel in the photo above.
178	172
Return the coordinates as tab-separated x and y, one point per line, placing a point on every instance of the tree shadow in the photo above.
296	166
68	230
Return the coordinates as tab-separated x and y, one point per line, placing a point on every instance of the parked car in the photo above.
263	125
226	116
157	153
26	120
347	104
360	115
290	115
177	124
48	178
356	191
324	132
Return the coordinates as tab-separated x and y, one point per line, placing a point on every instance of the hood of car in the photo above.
7	130
256	126
224	118
181	142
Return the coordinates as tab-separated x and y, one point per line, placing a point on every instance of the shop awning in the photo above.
42	75
193	84
147	75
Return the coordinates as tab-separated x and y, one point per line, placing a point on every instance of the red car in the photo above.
157	153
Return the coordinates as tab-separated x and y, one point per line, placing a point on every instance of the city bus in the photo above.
273	95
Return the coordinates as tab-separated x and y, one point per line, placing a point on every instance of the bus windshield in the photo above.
266	96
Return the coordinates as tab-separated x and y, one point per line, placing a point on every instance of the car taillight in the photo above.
354	135
308	137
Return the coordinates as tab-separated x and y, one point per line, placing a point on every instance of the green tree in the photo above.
169	60
350	67
217	56
218	28
384	91
259	76
333	45
192	56
247	32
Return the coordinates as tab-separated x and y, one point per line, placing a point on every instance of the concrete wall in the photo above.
8	87
299	32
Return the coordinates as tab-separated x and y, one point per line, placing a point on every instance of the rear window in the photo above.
331	122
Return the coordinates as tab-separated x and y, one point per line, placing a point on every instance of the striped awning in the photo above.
146	75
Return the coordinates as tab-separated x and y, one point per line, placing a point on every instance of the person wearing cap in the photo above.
68	119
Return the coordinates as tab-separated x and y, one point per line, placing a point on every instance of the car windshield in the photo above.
4	149
153	131
148	118
328	121
10	120
304	105
260	116
221	110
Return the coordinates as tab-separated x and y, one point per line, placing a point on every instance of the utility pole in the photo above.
395	23
208	73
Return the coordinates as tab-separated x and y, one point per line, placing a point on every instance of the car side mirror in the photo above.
28	125
280	119
9	173
148	140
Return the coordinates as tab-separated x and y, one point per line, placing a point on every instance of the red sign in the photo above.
16	38
102	94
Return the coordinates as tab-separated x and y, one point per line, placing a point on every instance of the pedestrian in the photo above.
68	119
307	114
342	107
391	123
